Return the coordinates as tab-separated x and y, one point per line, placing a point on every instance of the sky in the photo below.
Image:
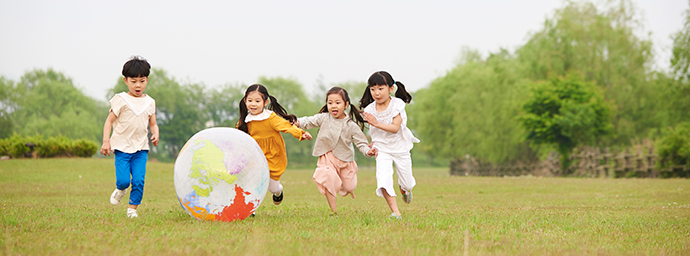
235	42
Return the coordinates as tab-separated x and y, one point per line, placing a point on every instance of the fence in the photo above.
586	162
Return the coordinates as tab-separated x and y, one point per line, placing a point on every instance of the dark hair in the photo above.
273	106
136	66
383	78
354	112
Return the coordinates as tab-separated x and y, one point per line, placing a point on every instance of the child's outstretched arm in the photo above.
361	142
281	125
392	128
154	129
107	127
309	122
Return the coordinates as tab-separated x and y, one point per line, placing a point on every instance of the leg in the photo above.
390	200
122	169
327	180
275	187
384	175
138	165
348	176
403	165
331	202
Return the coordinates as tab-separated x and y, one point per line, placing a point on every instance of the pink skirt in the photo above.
334	175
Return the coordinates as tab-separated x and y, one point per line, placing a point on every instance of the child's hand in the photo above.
306	136
371	119
373	152
105	148
154	139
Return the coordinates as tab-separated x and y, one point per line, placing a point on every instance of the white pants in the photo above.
275	187
384	172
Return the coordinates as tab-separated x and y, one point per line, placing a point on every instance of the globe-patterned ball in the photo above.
221	174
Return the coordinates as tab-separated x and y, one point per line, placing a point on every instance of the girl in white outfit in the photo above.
390	137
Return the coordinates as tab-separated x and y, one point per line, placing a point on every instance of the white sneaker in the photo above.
132	213
116	196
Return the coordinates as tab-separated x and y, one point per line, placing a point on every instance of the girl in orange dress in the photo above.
263	118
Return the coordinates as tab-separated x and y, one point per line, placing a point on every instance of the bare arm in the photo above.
154	129
107	127
392	128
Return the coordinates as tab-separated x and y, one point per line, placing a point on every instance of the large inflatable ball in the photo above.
221	174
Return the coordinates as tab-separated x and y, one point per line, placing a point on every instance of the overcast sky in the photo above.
220	42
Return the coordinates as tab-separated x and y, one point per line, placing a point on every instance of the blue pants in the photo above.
131	168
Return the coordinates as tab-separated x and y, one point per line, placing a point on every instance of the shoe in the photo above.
333	214
116	196
407	196
278	199
395	216
132	213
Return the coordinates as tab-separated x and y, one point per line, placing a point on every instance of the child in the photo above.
336	170
130	114
265	126
390	136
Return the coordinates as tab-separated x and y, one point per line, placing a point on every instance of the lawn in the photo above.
60	206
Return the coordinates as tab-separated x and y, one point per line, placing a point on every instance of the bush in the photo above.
15	147
84	148
53	147
674	146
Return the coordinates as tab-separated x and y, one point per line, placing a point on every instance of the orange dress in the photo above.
267	134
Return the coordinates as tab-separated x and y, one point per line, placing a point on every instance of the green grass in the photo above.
60	206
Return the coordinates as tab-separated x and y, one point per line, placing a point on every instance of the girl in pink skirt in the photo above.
336	170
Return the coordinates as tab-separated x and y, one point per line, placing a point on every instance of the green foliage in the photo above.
16	146
602	45
222	105
48	103
680	61
84	148
566	112
54	146
674	146
471	111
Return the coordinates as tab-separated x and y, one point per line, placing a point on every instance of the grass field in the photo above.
60	206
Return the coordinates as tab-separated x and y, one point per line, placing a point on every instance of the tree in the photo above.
471	111
7	106
603	46
680	61
48	103
222	105
566	112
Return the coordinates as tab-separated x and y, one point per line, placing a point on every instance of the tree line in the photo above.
587	77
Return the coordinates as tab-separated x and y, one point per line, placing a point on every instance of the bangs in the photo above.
377	79
136	68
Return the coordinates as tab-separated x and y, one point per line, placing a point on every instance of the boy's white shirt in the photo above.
260	117
130	128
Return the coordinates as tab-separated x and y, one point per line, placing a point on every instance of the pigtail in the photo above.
366	98
324	109
401	93
241	124
279	110
357	117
